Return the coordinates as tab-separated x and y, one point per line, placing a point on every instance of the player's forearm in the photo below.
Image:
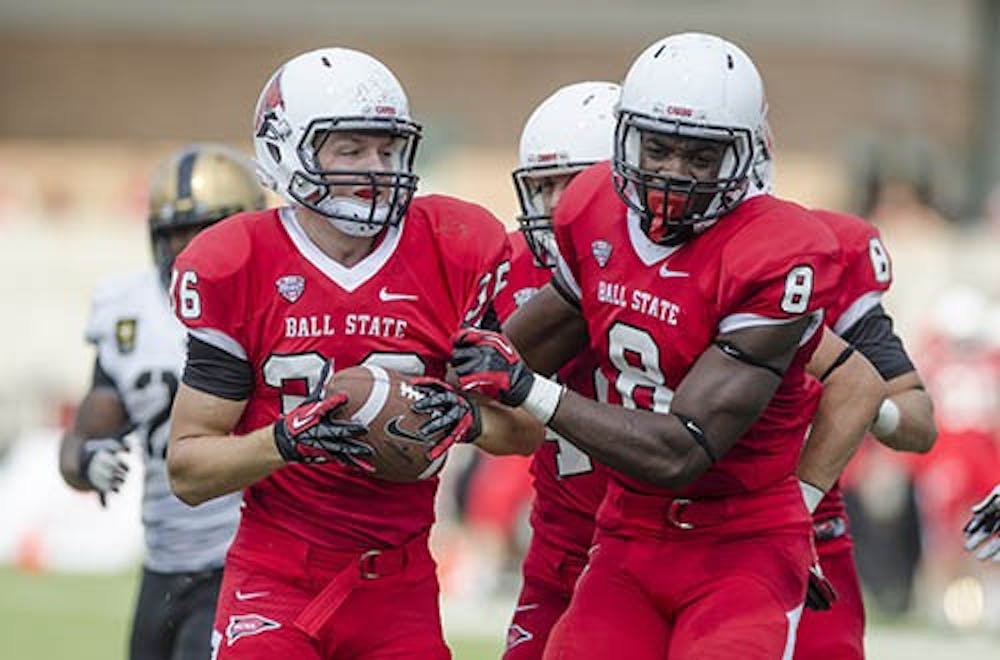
209	466
101	414
851	398
69	460
915	430
547	331
508	431
652	447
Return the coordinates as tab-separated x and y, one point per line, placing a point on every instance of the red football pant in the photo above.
838	632
382	606
733	589
550	573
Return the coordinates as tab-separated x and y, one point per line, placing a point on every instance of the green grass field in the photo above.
74	617
78	617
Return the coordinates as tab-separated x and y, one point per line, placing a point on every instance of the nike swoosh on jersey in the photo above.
666	272
250	595
385	296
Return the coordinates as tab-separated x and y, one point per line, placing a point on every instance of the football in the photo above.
381	399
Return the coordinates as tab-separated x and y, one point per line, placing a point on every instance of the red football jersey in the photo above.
867	275
568	483
867	268
652	310
256	286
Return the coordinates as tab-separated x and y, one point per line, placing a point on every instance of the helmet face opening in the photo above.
534	195
169	241
671	206
373	197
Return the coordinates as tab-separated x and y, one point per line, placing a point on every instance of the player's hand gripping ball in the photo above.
411	422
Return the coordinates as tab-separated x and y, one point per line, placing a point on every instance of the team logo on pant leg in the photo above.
517	635
244	625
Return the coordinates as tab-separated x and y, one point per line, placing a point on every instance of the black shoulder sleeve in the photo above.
872	335
212	370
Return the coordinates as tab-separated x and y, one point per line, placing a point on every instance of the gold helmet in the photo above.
196	187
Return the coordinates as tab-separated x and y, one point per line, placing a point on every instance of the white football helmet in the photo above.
569	131
689	85
320	92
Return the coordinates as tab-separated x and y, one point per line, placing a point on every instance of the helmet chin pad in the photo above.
665	222
353	217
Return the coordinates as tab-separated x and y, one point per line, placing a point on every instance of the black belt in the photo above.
829	529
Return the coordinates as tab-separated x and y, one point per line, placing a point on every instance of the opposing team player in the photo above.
356	270
569	131
905	422
702	297
140	353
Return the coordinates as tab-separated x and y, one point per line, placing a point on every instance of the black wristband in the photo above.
696	432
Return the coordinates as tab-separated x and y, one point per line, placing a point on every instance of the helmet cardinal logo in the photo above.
270	101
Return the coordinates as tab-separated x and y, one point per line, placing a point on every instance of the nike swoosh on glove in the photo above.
311	433
487	362
451	412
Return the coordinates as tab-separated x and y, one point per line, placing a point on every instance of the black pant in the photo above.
174	615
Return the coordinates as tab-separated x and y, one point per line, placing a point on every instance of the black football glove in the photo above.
451	412
486	362
820	595
311	433
983	529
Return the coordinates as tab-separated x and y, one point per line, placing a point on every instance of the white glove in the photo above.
102	464
983	529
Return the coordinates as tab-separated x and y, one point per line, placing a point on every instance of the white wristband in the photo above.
811	494
887	420
543	398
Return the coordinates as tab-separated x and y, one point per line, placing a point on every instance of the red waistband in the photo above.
778	505
288	554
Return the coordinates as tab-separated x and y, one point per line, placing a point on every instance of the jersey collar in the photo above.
347	278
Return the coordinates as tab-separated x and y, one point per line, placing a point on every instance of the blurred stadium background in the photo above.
888	109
